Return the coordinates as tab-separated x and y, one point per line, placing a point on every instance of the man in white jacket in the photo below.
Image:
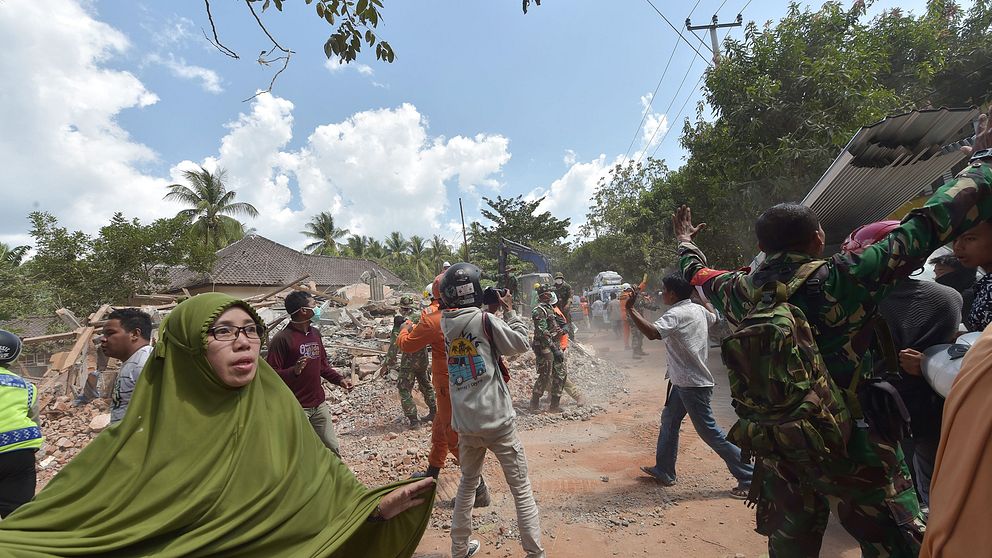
481	406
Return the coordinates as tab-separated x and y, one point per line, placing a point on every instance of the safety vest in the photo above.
17	430
563	340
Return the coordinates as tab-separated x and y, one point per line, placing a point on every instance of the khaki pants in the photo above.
510	453
320	420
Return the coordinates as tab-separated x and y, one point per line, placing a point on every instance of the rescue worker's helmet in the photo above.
461	286
559	275
10	347
866	235
543	288
406	301
436	287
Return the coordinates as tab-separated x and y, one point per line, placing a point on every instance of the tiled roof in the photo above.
256	260
34	326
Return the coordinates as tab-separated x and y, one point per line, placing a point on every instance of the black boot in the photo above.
555	407
429	417
431	471
482	498
535	402
414	422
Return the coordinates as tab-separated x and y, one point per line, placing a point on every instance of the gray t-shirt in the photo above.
126	378
684	326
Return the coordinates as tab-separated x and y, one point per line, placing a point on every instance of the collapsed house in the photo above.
255	265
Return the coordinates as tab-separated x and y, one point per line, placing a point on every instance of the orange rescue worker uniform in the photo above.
428	333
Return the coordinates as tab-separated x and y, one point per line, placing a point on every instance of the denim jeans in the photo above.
695	402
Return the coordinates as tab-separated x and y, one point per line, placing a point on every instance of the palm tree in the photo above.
212	207
439	250
375	250
396	247
356	246
11	257
418	257
325	235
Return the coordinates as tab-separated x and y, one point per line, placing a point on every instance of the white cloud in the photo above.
570	195
61	147
655	125
334	65
570	157
377	171
208	78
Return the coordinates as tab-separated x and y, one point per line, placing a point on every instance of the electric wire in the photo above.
679	33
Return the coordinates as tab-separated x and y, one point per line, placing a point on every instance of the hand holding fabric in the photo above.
404	498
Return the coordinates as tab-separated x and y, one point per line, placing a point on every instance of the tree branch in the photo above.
262	55
216	42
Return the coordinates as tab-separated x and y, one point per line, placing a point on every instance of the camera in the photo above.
492	296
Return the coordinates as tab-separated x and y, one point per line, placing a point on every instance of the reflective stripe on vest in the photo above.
17	430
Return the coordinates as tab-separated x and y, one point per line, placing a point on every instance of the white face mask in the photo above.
559	281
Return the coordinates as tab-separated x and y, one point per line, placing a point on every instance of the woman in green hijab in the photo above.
214	458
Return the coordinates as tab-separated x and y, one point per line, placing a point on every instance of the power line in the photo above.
650	101
677	32
658	127
684	103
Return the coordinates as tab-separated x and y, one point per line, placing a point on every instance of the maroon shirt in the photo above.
286	348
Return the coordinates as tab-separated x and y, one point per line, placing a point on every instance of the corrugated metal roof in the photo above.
886	164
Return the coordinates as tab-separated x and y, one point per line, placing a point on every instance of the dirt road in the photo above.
594	500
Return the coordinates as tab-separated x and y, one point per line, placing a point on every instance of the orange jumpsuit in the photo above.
428	332
623	317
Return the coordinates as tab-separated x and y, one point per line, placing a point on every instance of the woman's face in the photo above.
974	247
234	361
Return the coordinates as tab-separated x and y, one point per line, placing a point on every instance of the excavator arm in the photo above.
525	253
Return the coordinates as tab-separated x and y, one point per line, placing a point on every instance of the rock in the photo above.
411	451
99	422
47	462
64	442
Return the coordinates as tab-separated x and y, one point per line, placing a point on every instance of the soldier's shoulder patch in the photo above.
705	274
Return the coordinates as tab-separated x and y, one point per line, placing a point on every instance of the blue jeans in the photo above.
696	403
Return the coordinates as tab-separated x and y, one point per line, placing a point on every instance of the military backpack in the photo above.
789	407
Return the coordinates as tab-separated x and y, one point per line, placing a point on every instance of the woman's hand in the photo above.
404	498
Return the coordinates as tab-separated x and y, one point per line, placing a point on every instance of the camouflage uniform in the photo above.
413	368
636	337
550	368
871	486
564	294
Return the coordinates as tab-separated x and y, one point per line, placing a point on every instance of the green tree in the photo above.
396	247
518	220
212	207
419	259
355	246
12	256
322	230
438	250
376	250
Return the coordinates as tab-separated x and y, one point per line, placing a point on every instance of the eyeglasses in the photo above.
230	333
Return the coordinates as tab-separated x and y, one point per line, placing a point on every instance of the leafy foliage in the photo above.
322	230
212	206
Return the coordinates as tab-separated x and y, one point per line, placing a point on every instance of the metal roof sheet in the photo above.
886	164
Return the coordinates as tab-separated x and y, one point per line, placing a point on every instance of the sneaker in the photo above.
658	476
482	497
740	492
473	547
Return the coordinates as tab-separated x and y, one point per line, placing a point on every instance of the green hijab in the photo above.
197	468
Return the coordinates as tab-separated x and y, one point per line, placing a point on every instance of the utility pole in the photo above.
713	27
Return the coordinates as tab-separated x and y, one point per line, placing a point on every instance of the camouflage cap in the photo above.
406	301
542	288
559	275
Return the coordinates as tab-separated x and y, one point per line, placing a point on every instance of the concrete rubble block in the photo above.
99	422
379	309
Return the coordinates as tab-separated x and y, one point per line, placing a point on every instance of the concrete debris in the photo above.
377	441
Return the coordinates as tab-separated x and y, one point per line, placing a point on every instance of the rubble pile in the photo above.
67	430
376	441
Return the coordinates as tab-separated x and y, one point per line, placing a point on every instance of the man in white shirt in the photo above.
126	337
684	326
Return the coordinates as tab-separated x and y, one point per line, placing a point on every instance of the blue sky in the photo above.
113	99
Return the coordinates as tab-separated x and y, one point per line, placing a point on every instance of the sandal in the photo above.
740	492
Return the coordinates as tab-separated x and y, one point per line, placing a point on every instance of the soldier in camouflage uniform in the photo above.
413	368
550	358
641	304
871	485
564	293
